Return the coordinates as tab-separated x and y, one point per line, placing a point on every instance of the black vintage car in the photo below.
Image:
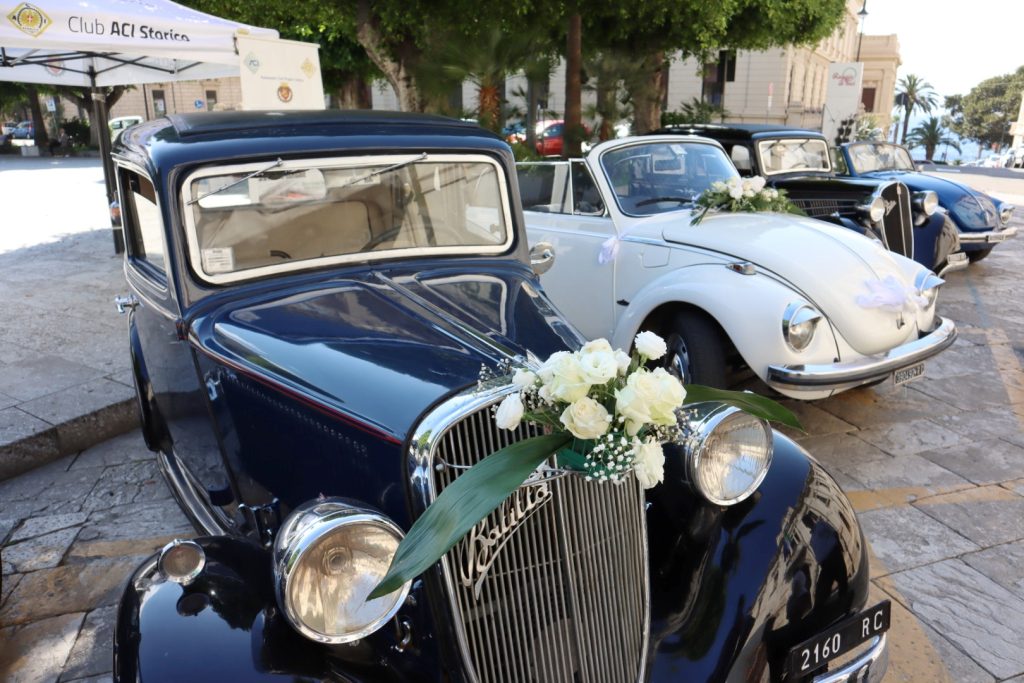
312	297
798	161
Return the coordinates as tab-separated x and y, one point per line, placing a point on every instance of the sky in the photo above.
952	44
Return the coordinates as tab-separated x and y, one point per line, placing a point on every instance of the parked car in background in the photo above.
120	123
551	140
313	295
811	308
983	221
799	162
24	131
7	128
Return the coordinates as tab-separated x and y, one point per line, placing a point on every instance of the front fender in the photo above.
749	308
226	626
732	589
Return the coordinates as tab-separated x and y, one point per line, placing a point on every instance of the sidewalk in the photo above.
65	383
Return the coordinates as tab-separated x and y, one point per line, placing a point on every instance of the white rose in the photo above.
736	192
510	412
746	185
597	361
567	381
718	186
547	370
524	379
630	403
757	183
586	418
648	462
772	193
649	398
623	360
650	346
669	395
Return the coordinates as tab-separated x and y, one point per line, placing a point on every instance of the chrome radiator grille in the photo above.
898	224
552	586
824	208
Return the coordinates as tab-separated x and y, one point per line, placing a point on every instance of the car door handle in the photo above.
542	257
125	303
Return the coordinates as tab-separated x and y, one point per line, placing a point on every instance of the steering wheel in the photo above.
381	238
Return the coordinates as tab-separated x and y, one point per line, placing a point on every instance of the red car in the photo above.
552	138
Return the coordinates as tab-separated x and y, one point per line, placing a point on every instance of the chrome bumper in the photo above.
864	370
954	262
989	237
868	668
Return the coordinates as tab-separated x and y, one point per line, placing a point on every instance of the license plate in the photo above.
909	374
816	652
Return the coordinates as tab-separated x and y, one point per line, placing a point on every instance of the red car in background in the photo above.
551	140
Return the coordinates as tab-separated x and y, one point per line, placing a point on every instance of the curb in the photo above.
66	438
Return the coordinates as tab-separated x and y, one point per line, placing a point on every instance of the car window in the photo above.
544	186
794	154
656	177
586	198
839	162
142	221
267	218
740	155
879	156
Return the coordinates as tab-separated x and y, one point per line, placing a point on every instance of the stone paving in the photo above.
935	470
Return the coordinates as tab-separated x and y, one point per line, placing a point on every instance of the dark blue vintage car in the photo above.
799	162
983	221
312	298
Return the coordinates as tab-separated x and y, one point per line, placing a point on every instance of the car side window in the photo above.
544	186
741	159
585	195
838	162
143	224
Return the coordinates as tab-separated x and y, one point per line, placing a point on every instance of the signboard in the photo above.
198	104
842	96
280	74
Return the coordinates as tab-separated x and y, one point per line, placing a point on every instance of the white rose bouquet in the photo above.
606	415
742	194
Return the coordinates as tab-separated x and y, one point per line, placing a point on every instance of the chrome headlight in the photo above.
926	202
728	451
1006	213
328	556
875	211
798	323
927	285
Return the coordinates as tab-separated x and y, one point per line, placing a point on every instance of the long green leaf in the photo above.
463	503
758	406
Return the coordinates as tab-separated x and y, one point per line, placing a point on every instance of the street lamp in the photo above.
863	14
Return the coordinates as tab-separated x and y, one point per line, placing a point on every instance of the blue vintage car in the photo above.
312	297
798	161
983	221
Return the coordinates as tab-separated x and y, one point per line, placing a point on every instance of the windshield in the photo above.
866	157
794	154
271	217
656	177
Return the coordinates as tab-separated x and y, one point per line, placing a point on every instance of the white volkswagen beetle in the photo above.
811	308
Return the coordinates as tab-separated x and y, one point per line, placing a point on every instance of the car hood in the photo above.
829	265
971	209
383	346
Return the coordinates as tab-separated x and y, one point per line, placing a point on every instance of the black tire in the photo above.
696	350
975	256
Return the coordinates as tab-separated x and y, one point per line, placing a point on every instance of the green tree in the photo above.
930	135
984	114
914	93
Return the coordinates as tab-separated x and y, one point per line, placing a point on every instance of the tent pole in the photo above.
100	117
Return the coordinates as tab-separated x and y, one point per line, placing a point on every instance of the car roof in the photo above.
197	137
740	130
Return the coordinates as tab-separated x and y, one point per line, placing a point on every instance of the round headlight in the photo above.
1006	213
728	452
875	211
798	323
328	556
927	202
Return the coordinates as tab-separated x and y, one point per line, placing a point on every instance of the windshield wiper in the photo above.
237	182
387	169
655	200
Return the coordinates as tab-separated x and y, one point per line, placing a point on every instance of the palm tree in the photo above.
930	135
914	93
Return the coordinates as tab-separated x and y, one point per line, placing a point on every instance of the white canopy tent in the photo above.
98	43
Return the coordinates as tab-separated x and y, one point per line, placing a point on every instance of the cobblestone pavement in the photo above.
935	469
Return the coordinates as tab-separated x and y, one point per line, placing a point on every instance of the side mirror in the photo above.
542	257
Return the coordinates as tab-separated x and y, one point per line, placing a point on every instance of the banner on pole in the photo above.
842	96
279	74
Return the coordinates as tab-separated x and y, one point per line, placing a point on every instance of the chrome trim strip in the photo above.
987	237
196	509
870	667
864	370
